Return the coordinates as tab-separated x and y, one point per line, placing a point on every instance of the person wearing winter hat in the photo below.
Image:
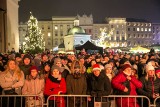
108	71
64	71
150	85
55	85
124	61
126	84
33	71
126	68
18	58
30	88
150	70
158	72
26	65
57	61
44	60
98	85
134	70
76	84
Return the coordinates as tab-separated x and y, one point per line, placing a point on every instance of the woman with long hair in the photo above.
151	87
12	80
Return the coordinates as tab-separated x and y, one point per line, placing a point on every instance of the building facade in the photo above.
3	24
123	32
129	32
9	34
156	33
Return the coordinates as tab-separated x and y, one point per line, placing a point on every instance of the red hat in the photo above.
126	66
96	67
157	71
33	67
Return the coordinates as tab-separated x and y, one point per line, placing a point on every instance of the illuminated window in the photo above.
55	27
141	29
145	29
49	34
149	29
137	29
117	26
122	26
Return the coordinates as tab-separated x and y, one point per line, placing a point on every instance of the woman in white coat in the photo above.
12	80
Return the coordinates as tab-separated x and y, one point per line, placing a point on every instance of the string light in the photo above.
34	37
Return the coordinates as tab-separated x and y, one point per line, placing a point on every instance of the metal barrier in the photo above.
75	101
105	101
21	101
156	102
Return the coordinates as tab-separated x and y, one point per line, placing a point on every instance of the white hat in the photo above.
108	66
135	67
149	67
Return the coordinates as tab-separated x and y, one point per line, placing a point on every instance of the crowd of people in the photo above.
83	74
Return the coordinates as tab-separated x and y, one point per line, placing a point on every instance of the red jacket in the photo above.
134	83
52	88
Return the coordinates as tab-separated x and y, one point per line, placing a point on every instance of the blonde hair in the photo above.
74	63
17	70
146	77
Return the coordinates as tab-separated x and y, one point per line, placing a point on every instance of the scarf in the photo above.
54	79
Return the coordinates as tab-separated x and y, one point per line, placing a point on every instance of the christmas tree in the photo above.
34	38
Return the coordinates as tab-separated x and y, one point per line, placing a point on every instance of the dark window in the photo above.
117	38
56	33
134	29
117	32
112	38
123	38
128	29
111	26
129	36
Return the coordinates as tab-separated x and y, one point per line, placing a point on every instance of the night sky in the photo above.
45	9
